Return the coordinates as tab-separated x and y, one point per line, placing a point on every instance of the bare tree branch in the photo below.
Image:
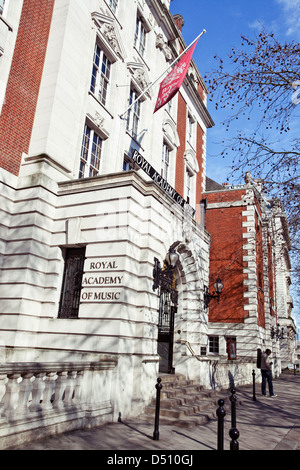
256	86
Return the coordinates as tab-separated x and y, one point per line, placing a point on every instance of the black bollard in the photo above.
233	408
158	387
254	396
221	413
234	432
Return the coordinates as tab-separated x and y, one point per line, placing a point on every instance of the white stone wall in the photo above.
65	102
124	222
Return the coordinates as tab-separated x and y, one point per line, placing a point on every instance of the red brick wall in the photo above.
181	129
226	257
260	273
16	120
199	154
180	166
271	278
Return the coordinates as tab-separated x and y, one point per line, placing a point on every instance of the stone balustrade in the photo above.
36	398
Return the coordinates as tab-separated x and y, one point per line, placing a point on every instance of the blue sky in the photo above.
225	21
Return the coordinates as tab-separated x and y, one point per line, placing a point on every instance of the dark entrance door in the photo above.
167	310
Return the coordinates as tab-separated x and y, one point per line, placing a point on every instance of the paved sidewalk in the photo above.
264	424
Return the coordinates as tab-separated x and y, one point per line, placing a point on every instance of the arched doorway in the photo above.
165	282
167	311
180	292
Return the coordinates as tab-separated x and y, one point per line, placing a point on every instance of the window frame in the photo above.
101	75
165	161
191	130
72	283
214	344
113	5
190	176
134	113
231	351
3	7
92	163
188	184
140	36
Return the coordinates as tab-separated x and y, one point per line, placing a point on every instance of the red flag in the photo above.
173	81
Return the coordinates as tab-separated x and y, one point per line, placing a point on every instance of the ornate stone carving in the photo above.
108	30
107	27
248	178
163	46
140	75
99	120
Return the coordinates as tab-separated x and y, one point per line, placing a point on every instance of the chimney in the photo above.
179	21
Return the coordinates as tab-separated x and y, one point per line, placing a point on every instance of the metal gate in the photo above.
167	311
165	281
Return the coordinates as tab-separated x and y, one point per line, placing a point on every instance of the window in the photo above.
113	5
100	75
214	344
128	164
188	185
203	205
91	150
190	176
190	130
231	348
140	36
134	114
71	287
165	162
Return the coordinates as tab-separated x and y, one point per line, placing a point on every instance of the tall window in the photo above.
100	75
1	6
140	36
190	130
213	344
71	287
113	5
188	185
134	114
231	348
165	162
91	150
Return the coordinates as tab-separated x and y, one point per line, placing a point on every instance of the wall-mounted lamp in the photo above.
218	286
277	333
164	277
172	257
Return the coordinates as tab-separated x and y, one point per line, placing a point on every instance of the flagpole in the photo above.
159	78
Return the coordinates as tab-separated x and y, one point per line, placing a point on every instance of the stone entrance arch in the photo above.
178	316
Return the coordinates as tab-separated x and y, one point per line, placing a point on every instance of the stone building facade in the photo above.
83	220
97	196
249	252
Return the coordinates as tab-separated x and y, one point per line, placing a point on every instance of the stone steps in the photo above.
184	403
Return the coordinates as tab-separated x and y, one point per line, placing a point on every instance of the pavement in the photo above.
264	424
